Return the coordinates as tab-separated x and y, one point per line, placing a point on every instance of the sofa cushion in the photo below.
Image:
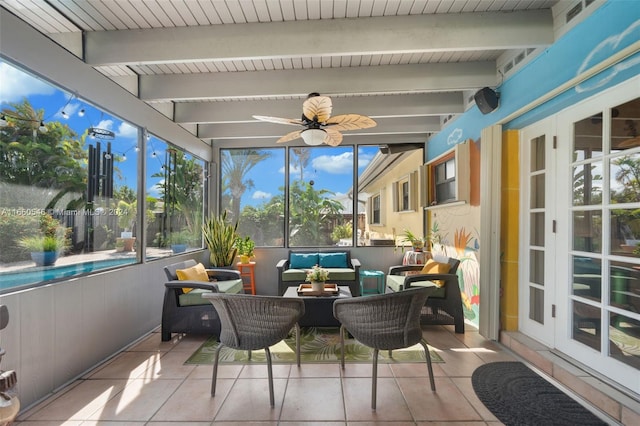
303	260
194	297
194	273
396	283
333	260
335	274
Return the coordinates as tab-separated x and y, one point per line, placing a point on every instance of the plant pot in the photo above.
178	248
44	258
126	243
244	259
317	286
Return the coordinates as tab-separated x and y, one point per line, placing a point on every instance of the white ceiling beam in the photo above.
273	131
349	139
375	35
373	106
410	78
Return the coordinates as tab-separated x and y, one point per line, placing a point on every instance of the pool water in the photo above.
34	276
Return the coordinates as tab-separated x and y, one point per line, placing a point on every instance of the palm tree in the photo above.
236	164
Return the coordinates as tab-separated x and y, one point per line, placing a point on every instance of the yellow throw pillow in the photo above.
433	267
195	273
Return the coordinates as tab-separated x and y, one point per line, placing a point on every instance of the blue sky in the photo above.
330	168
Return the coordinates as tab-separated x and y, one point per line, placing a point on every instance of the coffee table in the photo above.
318	310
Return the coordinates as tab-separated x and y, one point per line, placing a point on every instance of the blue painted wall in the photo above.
609	29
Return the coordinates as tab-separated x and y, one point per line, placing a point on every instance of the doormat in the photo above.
516	395
316	345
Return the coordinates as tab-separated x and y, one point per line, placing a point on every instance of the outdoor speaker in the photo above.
486	99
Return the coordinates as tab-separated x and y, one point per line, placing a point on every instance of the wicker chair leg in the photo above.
374	379
214	378
249	355
342	331
429	366
270	372
297	327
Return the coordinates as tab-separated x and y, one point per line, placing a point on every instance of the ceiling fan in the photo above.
319	126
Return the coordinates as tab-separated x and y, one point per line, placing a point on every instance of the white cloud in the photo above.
155	189
126	130
454	137
16	85
334	164
261	195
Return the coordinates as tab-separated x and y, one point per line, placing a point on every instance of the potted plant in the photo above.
44	250
179	241
245	248
220	237
317	277
417	243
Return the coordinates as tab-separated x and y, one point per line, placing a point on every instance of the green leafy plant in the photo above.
43	243
245	246
317	274
180	237
220	237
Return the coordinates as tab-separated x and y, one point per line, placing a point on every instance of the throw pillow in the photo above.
303	260
195	273
333	260
433	267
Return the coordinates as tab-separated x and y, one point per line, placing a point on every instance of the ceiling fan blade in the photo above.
290	136
278	120
350	122
333	138
318	108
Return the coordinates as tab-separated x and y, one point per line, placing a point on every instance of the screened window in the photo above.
444	180
252	192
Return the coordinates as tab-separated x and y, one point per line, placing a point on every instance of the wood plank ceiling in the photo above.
210	65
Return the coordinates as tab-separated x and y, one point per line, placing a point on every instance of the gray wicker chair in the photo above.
251	322
384	322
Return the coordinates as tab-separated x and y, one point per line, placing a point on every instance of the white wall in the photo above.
58	331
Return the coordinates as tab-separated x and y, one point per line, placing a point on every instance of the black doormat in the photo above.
516	395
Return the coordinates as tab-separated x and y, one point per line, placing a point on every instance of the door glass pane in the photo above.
536	305
625	286
587	231
625	126
537	153
536	270
537	229
587	278
587	138
624	339
586	324
625	179
587	184
625	232
537	192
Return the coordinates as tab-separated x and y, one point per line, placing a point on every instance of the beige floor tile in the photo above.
315	370
366	370
170	366
446	403
81	401
139	401
192	401
248	400
127	365
465	386
153	342
390	404
313	399
225	371
257	371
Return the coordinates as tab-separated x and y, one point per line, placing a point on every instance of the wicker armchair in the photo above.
444	306
255	322
384	322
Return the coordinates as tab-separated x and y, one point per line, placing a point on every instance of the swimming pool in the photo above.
26	277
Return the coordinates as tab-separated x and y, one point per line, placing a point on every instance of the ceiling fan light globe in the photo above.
313	136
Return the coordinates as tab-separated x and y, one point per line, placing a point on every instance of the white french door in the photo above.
537	232
579	282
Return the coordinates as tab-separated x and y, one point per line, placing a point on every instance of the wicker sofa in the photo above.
343	269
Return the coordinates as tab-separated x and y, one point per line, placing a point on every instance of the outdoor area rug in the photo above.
516	395
316	345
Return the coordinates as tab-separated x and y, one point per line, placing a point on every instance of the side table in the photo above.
415	257
247	270
377	275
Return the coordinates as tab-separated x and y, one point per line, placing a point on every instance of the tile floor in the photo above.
148	384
